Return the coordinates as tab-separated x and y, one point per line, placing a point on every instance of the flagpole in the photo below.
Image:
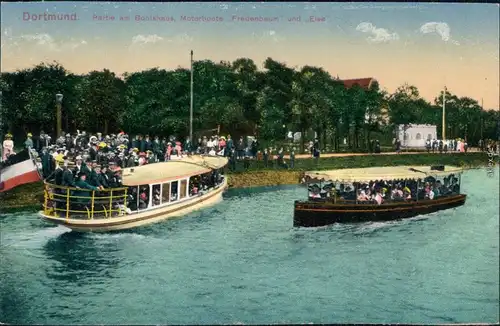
191	102
443	132
482	109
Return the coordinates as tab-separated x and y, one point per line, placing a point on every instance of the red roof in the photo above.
362	82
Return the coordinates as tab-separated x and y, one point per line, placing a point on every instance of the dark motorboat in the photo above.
377	194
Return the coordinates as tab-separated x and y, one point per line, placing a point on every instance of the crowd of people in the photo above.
97	159
452	145
115	151
378	192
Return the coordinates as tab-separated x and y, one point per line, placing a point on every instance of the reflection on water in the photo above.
79	259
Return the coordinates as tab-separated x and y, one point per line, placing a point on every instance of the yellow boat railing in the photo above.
76	203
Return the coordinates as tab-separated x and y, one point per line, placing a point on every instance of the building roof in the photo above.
365	83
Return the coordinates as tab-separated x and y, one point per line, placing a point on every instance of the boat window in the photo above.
419	136
143	201
165	194
133	198
183	190
174	190
429	137
194	185
156	195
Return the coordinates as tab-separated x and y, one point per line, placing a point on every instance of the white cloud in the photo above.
40	39
76	44
379	35
182	38
268	36
144	39
49	42
440	28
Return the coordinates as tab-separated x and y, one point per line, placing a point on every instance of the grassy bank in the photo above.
29	196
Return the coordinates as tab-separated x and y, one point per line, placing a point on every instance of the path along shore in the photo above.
304	156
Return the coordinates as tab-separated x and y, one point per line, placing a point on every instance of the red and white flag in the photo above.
18	169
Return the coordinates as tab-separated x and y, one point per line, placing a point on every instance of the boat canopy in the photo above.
212	162
379	173
172	170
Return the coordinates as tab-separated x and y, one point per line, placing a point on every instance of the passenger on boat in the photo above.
83	197
314	192
435	188
384	193
397	193
132	198
406	193
68	179
362	196
156	197
429	193
143	200
378	197
80	167
93	178
142	158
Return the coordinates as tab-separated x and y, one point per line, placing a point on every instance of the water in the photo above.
242	262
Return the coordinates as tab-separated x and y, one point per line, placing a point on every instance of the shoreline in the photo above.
27	197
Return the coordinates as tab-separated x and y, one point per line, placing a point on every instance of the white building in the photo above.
415	135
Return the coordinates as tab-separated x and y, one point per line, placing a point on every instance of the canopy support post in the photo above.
418	189
356	193
459	182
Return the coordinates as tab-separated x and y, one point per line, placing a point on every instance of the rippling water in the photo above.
242	262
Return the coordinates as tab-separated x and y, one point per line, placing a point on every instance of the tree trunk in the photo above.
106	125
302	140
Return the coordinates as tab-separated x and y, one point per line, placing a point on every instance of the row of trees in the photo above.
235	96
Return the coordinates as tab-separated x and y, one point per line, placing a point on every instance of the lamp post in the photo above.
482	109
59	98
191	102
444	114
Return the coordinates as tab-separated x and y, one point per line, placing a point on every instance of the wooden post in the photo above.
67	203
355	193
92	206
418	187
111	203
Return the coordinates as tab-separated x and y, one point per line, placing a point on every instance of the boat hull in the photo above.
146	217
314	214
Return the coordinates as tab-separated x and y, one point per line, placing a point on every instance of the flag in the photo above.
18	169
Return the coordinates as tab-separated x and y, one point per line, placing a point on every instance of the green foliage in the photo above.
236	97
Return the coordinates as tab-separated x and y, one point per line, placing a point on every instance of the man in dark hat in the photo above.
47	162
93	179
110	175
58	173
142	144
188	146
68	179
83	195
102	176
148	144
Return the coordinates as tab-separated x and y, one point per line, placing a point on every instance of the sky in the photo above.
428	45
